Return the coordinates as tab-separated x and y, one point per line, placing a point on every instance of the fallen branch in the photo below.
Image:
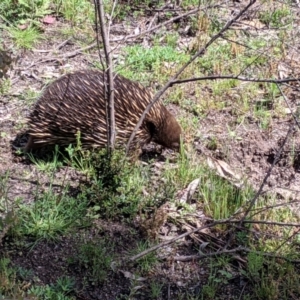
133	258
63	56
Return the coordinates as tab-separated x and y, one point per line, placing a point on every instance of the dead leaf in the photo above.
225	171
129	275
189	192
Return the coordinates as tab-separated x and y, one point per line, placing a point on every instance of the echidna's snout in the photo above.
169	132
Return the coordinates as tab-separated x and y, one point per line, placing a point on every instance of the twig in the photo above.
288	105
51	50
109	84
110	19
212	77
133	258
287	240
252	202
262	209
242	292
63	56
268	223
169	83
276	159
134	36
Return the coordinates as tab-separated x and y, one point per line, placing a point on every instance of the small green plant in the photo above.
24	274
263	115
171	39
221	199
51	215
117	186
5	86
50	165
156	289
8	217
22	11
255	266
76	11
81	159
147	262
276	18
65	284
8	283
186	170
29	96
58	291
26	38
95	257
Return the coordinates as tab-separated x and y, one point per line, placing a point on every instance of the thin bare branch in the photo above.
213	77
108	77
179	72
133	258
288	105
276	159
134	36
268	223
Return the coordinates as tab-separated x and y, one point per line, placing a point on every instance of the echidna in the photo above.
75	103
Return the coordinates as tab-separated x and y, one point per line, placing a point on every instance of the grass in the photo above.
151	62
26	38
49	165
60	290
77	12
18	12
5	86
95	257
8	282
51	216
147	262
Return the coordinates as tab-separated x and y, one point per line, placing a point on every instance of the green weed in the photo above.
26	38
8	282
96	258
29	96
8	218
156	289
140	60
51	215
271	279
117	185
186	171
22	11
49	165
147	262
78	12
58	291
5	86
276	18
220	198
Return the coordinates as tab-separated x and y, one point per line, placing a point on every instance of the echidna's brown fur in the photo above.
75	103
